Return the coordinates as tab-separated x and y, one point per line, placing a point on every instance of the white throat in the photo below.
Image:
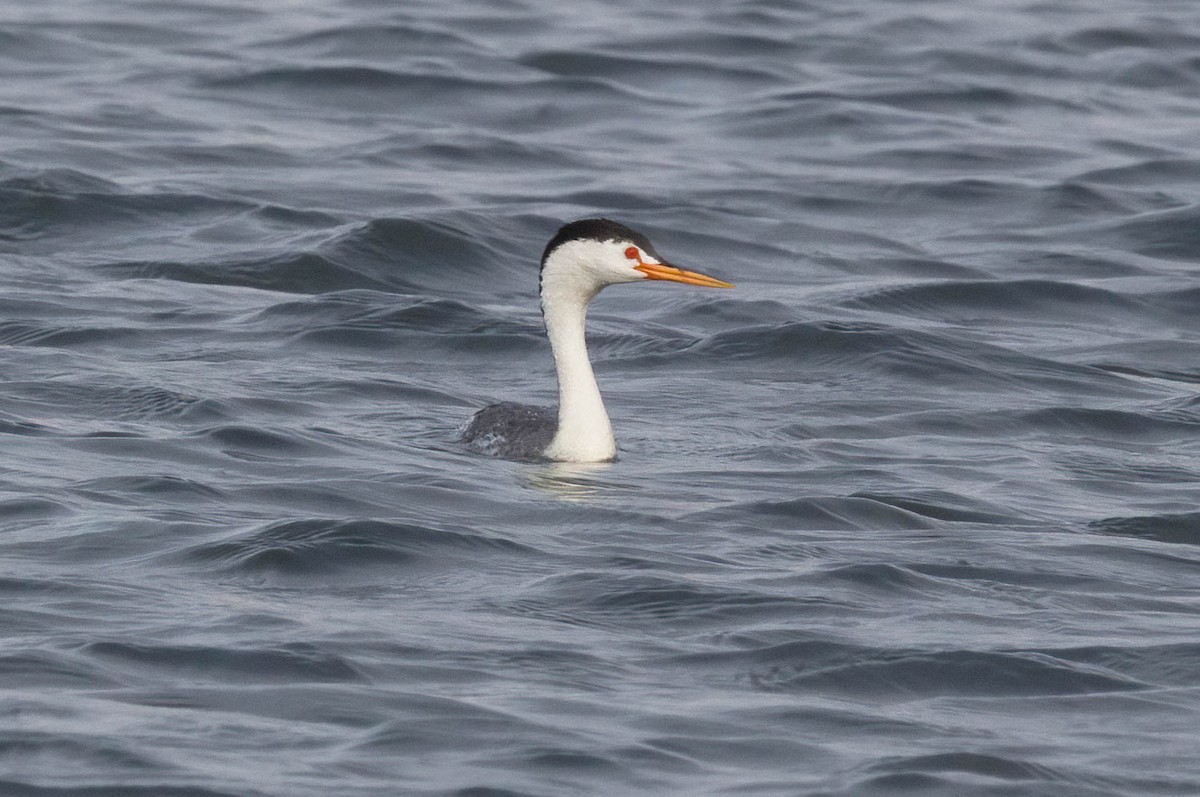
584	432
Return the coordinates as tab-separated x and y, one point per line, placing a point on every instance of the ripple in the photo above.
988	766
382	326
658	67
1112	424
434	722
592	598
256	443
71	754
51	669
288	662
297	272
60	203
1181	528
416	254
17	333
1151	172
30	508
1100	39
356	41
858	512
358	87
297	547
914	674
915	356
1170	234
336	77
127	402
1029	298
156	487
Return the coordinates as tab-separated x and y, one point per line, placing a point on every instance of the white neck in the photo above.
584	432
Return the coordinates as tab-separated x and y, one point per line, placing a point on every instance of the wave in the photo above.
1180	528
645	67
118	401
299	272
286	663
1170	234
32	508
244	441
909	673
366	42
396	255
153	487
360	79
300	547
824	513
1008	300
918	356
56	207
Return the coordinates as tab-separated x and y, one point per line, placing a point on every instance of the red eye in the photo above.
631	253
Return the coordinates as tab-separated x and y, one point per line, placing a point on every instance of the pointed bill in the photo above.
661	271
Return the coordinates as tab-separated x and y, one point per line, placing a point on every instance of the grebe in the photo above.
581	259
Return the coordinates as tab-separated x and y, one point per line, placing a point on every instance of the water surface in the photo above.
913	510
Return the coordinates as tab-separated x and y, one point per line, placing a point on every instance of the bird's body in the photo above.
511	430
581	259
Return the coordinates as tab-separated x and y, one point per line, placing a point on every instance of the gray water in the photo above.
915	509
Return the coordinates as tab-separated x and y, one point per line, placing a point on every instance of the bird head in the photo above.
588	255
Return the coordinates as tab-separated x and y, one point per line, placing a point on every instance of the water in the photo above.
913	510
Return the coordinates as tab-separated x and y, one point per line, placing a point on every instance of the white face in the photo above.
599	263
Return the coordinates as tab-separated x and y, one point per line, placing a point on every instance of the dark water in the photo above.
914	510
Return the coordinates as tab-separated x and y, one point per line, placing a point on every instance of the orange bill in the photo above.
661	271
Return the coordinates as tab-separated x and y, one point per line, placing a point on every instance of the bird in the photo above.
582	258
